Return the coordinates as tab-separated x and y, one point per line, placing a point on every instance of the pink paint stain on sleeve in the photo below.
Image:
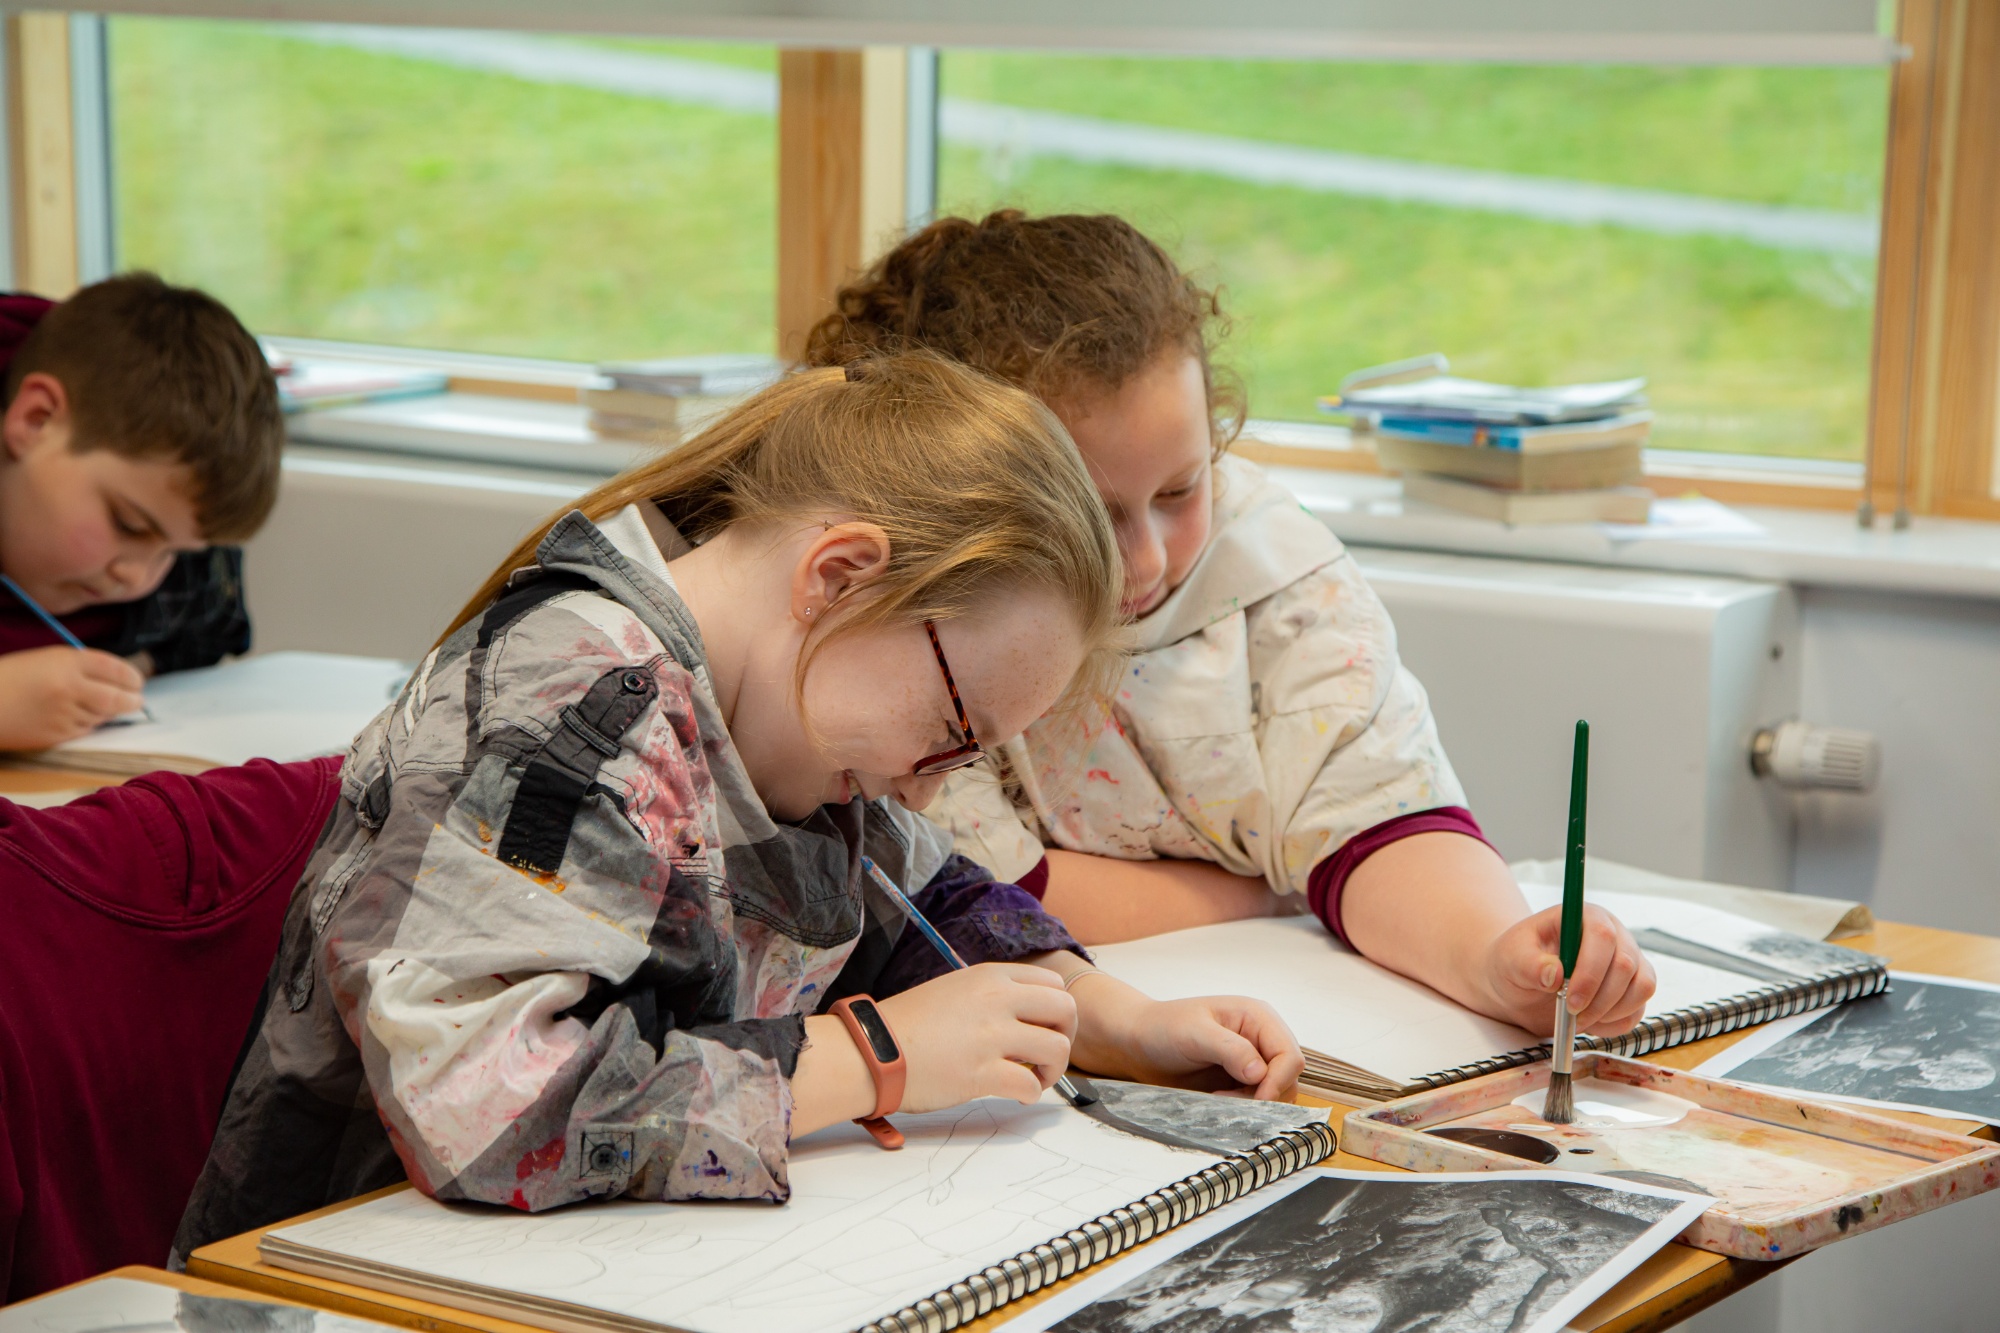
545	1158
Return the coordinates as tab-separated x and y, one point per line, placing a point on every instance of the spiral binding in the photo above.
1115	1232
1780	999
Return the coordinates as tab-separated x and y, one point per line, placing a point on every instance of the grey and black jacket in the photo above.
551	946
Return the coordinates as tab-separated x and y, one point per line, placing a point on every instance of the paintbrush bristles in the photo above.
1559	1107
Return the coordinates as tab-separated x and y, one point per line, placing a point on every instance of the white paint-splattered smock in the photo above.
1263	723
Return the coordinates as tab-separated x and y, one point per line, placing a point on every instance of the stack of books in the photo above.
1566	454
652	402
316	385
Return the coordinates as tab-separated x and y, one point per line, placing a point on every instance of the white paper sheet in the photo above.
1474	1252
282	706
1337	1002
123	1305
1946	1063
1342	1005
1800	913
866	1231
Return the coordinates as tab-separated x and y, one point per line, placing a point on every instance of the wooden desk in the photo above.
1672	1285
35	781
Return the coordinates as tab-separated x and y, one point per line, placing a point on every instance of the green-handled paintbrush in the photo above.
1560	1107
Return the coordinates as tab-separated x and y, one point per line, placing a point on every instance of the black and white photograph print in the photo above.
1355	1252
1929	1044
1220	1124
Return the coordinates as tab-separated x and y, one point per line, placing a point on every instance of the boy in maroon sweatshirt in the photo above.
140	923
140	427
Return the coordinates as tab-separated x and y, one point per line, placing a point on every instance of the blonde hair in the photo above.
976	483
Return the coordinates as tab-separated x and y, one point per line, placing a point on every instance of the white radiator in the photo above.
1674	673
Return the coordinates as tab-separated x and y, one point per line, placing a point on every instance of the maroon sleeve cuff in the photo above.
1328	879
1036	882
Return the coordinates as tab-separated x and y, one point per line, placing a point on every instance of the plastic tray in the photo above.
1788	1174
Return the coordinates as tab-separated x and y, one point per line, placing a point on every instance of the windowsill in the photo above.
1821	546
471	428
1939	556
1808	482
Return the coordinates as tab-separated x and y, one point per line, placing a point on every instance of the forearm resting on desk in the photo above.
1443	909
1430	907
1104	900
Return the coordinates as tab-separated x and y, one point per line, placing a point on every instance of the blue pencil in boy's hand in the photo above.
61	630
1067	1089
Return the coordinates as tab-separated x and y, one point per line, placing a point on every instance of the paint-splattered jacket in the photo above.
551	946
1263	722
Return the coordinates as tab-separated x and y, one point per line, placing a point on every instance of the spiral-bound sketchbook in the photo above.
1370	1034
984	1204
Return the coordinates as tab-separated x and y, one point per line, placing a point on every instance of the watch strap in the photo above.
883	1054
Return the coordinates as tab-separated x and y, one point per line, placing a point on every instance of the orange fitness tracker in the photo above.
878	1047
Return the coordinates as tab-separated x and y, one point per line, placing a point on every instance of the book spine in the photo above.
1677	1028
1112	1234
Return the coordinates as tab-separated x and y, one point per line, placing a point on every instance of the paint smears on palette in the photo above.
1928	1044
1787	1174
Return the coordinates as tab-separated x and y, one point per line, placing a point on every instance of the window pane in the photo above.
1712	229
410	187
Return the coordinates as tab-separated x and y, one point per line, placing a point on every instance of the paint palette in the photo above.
1788	1174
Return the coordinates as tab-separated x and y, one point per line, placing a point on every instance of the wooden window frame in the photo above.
1937	327
843	182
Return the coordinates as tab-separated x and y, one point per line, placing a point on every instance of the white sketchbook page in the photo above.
281	706
124	1305
1336	1001
1342	1005
1764	1038
866	1232
1110	1277
1800	913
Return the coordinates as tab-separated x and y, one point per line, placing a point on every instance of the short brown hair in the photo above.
156	371
1066	305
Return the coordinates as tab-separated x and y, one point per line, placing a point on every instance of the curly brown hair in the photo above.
1066	306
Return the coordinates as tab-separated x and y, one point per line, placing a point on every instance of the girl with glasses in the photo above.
594	880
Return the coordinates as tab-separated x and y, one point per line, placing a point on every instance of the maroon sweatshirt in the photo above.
139	925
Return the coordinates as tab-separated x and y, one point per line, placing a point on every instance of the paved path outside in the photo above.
1029	133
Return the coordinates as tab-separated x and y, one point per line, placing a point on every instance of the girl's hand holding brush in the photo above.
1608	991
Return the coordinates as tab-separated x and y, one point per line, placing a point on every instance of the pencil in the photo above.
1067	1089
1560	1106
61	630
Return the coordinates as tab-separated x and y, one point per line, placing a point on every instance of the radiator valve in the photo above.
1799	754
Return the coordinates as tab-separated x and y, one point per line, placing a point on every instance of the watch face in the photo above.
879	1038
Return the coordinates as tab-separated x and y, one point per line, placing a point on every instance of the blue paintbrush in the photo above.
1068	1089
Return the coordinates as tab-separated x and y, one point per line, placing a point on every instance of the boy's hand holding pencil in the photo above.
55	694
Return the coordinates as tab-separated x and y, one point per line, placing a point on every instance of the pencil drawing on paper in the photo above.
1353	1256
865	1233
1923	1043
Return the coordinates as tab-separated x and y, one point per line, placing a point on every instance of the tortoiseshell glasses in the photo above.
959	756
